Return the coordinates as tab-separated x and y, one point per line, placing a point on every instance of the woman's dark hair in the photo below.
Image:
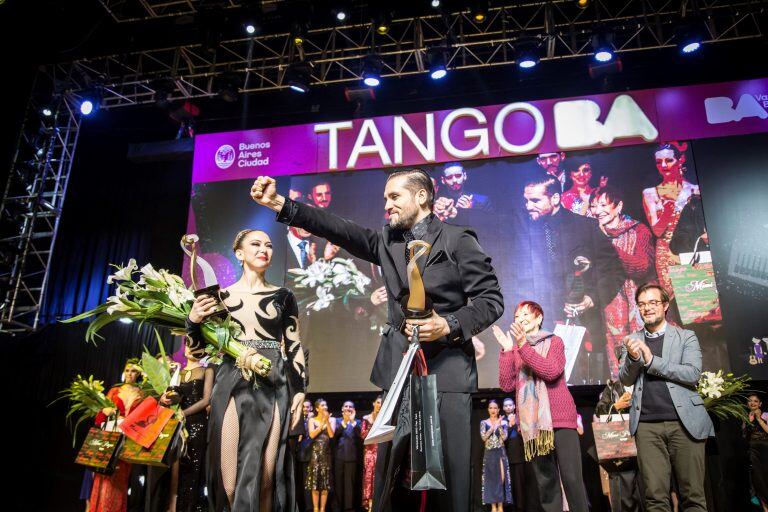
239	237
612	194
678	148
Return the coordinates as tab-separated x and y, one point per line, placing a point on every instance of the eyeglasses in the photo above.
650	304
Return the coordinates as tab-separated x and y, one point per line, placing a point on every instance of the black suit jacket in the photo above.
458	277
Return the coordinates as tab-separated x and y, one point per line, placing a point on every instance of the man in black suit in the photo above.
346	460
462	284
574	267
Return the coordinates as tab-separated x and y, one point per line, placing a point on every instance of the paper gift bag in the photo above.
161	450
427	469
572	336
146	421
613	440
695	290
99	450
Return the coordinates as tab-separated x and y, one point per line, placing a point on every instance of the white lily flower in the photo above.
324	298
315	274
148	271
124	273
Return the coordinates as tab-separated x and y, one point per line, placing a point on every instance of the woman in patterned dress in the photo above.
249	468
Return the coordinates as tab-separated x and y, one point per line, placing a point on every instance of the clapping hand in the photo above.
504	338
518	333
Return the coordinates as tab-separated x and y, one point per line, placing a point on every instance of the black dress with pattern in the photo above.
190	494
263	316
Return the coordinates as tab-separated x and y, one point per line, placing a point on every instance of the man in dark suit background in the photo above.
573	269
462	284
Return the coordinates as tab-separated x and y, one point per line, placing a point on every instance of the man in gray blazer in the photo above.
667	415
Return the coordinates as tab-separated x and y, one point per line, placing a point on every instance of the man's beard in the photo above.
654	323
405	219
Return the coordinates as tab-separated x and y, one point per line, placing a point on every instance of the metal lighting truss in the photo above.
32	205
561	29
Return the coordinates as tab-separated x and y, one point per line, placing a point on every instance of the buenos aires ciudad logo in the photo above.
225	156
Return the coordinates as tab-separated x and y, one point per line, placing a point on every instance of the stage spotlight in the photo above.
438	66
689	36
90	102
46	111
435	3
602	44
250	28
372	65
298	76
582	4
478	11
527	53
382	21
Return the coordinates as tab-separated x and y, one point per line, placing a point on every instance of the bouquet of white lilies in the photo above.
161	299
325	282
724	395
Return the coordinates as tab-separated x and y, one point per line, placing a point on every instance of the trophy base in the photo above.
416	313
215	292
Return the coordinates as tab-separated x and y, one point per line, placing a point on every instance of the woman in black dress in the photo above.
756	432
321	429
250	468
195	392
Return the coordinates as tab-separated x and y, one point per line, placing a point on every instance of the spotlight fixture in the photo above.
478	11
46	111
298	76
435	3
90	102
689	35
382	22
372	65
582	4
250	28
527	53
438	67
602	44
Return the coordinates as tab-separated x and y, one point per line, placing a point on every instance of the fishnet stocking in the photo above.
269	462
230	437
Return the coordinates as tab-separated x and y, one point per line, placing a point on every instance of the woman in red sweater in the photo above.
532	364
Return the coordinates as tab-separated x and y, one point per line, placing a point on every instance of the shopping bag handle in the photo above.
608	416
695	257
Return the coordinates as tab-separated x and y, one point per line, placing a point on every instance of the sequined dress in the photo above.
190	495
369	463
497	487
319	472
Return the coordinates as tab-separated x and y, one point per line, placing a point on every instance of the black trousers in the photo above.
517	475
455	428
625	491
562	465
346	485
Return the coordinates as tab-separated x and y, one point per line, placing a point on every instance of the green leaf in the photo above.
156	372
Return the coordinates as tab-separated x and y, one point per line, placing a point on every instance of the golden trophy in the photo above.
190	245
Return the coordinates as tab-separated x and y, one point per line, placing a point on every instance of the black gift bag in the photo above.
427	469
